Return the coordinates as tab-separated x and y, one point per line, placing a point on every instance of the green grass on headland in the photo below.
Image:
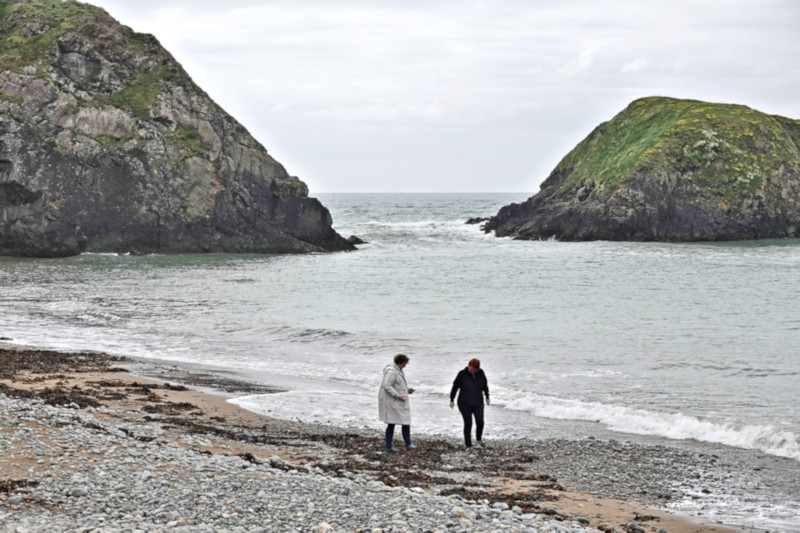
730	148
54	17
31	29
138	96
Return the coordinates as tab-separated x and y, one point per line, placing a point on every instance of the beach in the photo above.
658	373
90	445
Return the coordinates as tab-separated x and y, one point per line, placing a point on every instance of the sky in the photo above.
463	95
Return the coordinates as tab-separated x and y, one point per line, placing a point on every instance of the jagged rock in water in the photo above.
106	145
670	170
355	239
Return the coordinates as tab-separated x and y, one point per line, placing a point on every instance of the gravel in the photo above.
90	475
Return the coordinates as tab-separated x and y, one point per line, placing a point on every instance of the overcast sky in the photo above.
463	95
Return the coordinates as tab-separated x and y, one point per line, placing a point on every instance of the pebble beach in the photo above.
88	446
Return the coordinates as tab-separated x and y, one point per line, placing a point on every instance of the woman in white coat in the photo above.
393	407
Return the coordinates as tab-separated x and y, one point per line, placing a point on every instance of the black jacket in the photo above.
473	387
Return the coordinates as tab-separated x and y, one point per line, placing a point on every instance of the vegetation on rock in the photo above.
727	148
32	27
674	170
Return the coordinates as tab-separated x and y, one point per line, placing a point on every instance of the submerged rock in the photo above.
670	170
106	145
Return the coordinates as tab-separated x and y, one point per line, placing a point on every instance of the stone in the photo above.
352	239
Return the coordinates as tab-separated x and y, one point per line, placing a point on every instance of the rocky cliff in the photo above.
106	145
670	170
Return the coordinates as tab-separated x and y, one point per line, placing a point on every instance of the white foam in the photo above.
766	438
750	510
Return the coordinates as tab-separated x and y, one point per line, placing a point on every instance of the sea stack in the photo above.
670	170
107	145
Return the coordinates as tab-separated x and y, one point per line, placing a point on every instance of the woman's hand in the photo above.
402	398
451	405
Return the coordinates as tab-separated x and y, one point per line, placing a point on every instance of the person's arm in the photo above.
454	390
389	379
486	390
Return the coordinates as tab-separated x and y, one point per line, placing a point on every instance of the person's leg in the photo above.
478	411
466	414
389	436
406	435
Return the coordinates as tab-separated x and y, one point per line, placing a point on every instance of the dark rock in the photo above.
352	239
633	527
107	145
10	485
476	220
670	170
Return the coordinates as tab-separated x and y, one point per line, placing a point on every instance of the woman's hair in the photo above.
474	363
399	359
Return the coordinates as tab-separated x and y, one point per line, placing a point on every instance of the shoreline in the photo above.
510	473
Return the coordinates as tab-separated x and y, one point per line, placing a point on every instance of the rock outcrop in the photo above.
670	170
106	145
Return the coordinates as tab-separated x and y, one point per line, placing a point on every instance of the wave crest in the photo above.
766	438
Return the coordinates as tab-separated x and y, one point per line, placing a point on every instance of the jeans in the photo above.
467	412
390	435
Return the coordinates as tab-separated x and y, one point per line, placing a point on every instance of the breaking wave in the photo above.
766	438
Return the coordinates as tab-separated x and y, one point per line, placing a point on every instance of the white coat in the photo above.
391	409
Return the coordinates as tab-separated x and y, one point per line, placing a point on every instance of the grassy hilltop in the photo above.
31	31
728	148
33	27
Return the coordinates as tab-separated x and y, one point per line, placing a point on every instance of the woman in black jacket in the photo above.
473	385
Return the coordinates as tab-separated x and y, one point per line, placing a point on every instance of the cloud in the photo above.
584	60
527	79
636	65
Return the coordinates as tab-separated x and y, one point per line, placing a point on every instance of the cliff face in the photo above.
106	145
670	170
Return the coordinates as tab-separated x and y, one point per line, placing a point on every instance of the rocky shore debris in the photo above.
140	479
172	465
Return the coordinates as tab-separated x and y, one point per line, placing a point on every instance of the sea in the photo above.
682	344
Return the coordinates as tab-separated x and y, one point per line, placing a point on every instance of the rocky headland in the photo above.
107	145
670	170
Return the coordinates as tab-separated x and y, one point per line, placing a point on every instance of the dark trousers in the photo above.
467	412
390	435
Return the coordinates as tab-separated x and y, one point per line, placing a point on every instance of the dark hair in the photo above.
474	363
399	359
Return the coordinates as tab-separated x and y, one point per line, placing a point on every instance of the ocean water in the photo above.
681	344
